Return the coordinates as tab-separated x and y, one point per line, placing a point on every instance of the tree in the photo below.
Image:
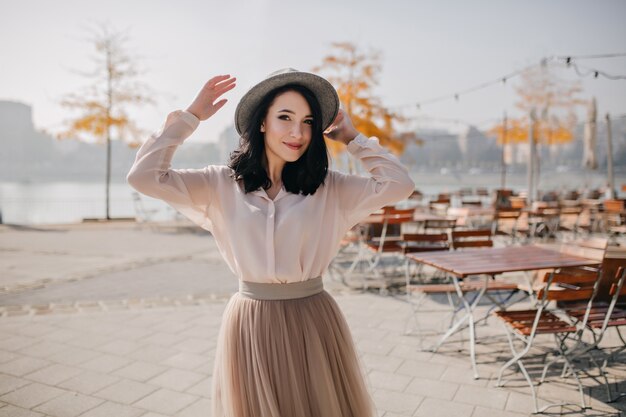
103	104
554	99
355	74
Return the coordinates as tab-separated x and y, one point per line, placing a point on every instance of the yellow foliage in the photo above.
543	91
354	75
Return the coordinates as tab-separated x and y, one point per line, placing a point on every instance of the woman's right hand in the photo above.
203	106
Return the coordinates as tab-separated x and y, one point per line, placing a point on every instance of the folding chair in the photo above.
382	241
526	325
569	219
505	223
600	317
421	242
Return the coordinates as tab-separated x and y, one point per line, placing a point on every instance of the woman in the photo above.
278	214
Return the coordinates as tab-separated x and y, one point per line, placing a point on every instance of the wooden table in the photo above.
492	262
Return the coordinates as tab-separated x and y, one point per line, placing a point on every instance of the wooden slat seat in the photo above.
522	321
425	242
465	287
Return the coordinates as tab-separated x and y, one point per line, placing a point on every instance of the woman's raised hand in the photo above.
342	129
204	105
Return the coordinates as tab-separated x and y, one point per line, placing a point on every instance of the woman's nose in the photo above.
296	131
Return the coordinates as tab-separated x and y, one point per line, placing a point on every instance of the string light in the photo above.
569	60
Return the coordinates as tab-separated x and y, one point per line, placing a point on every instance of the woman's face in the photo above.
287	127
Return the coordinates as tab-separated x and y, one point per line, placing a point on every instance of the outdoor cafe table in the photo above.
492	262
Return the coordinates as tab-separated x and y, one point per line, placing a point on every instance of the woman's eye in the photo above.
283	117
309	121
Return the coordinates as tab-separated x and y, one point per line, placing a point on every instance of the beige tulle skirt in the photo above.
288	358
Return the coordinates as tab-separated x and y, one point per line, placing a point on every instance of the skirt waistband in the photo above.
269	291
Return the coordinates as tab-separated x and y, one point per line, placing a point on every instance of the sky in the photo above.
428	48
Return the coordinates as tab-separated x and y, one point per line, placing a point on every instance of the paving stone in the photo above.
161	339
176	379
389	381
195	345
200	408
73	356
65	336
486	397
53	374
153	353
89	382
432	407
43	349
120	347
91	342
6	356
23	365
13	411
490	412
432	388
202	388
396	402
10	383
380	362
421	369
462	376
166	401
37	330
126	391
378	347
185	360
105	363
31	395
70	404
109	409
15	342
140	371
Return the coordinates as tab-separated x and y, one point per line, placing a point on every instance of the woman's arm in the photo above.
389	180
189	191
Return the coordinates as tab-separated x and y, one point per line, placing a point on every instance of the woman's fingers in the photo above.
217	79
222	88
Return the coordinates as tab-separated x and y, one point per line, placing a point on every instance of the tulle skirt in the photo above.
288	358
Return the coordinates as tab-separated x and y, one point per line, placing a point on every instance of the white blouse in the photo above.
288	239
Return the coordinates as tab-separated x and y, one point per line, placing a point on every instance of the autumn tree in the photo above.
103	104
555	101
355	74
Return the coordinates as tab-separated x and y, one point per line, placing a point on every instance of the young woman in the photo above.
278	214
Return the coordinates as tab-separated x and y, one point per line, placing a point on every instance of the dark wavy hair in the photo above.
303	176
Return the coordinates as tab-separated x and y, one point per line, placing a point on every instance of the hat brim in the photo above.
323	90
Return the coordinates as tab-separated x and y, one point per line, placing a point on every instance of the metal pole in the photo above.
503	161
609	157
532	150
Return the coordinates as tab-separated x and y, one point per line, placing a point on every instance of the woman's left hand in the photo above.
342	129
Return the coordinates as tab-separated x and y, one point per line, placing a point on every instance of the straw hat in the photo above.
322	89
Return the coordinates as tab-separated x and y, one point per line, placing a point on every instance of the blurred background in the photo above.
450	86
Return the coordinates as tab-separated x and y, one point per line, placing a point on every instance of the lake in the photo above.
69	202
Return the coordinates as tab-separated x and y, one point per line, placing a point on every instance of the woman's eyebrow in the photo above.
289	111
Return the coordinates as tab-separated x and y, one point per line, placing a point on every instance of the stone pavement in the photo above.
112	320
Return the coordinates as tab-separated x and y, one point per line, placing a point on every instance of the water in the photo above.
70	202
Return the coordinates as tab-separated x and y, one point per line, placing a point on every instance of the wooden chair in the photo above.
471	238
384	240
526	325
421	242
439	225
602	316
505	223
569	219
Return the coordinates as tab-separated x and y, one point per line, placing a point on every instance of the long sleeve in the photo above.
388	183
187	190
